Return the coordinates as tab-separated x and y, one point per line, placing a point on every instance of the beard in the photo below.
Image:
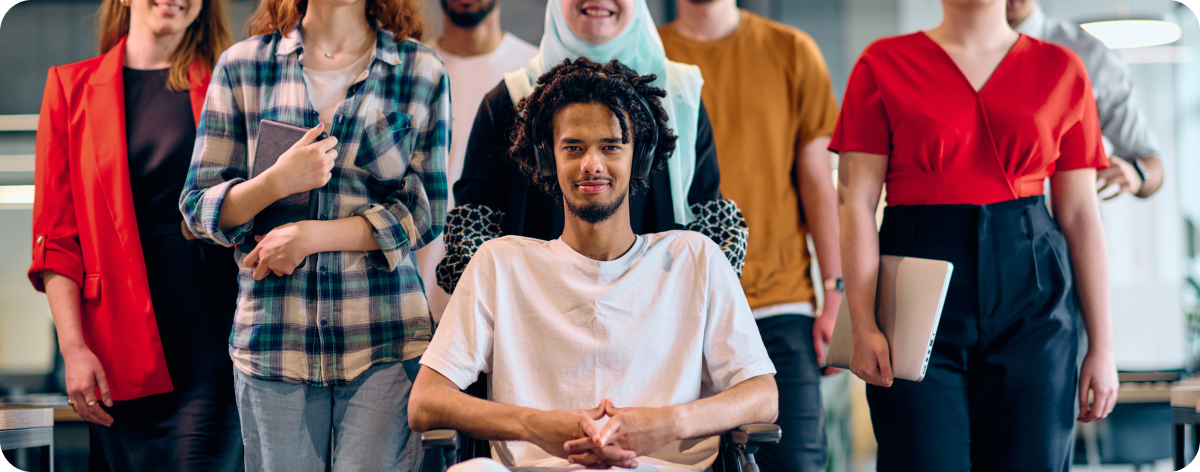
597	211
469	19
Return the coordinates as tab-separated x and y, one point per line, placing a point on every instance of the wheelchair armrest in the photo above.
440	439
758	433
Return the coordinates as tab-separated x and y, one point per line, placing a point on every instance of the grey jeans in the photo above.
361	426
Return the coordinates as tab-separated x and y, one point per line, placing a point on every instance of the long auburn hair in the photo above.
402	18
203	41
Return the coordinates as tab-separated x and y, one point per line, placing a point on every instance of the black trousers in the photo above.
789	343
195	427
1000	390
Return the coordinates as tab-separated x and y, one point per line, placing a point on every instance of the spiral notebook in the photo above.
908	307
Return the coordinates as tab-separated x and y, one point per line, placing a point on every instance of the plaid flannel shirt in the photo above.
341	312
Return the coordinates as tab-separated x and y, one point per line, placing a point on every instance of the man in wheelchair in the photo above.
603	348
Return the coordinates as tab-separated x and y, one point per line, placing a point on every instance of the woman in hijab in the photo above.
495	199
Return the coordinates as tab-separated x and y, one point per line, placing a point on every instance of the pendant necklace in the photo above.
329	55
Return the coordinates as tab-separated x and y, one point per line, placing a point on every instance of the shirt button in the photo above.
324	270
39	240
324	322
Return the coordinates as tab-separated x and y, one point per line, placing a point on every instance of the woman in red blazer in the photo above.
143	314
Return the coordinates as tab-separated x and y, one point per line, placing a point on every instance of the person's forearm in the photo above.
63	296
754	400
449	408
1081	227
860	262
1153	168
344	234
819	199
245	200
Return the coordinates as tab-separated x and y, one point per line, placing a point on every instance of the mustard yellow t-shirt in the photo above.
767	91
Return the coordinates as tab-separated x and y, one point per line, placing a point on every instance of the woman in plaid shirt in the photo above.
331	316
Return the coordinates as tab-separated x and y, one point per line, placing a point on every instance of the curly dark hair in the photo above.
583	81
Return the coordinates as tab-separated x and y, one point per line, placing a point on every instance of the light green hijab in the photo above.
640	48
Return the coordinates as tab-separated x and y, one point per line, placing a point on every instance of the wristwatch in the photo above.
1137	167
1141	172
835	283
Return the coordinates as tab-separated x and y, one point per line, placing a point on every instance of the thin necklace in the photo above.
329	55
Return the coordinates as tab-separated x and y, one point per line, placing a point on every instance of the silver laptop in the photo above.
908	306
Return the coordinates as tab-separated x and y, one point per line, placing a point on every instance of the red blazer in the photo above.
84	226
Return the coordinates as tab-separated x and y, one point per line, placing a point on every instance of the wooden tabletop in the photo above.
21	417
66	413
1144	392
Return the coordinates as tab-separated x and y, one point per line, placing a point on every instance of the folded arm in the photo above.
220	163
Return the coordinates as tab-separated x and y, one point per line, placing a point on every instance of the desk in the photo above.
28	427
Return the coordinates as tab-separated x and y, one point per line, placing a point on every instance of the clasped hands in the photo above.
628	434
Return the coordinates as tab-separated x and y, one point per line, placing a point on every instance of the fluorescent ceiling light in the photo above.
1122	34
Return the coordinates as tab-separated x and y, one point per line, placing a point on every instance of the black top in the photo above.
159	135
489	178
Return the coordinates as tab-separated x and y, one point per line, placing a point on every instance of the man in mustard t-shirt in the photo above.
772	107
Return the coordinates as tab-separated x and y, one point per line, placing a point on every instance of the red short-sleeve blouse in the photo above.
947	143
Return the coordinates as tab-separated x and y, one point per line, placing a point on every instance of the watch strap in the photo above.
1137	167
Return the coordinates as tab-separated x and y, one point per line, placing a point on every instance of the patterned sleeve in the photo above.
722	222
218	158
468	227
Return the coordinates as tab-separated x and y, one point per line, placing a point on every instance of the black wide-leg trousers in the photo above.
999	394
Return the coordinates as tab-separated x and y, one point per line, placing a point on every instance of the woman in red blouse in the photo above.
964	123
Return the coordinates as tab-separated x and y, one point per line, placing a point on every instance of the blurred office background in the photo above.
1152	244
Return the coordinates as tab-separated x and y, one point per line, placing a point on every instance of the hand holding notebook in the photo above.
300	159
297	161
908	307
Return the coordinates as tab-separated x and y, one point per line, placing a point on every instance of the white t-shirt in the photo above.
327	88
656	327
471	78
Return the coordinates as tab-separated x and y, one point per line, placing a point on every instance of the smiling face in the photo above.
598	21
163	17
593	164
